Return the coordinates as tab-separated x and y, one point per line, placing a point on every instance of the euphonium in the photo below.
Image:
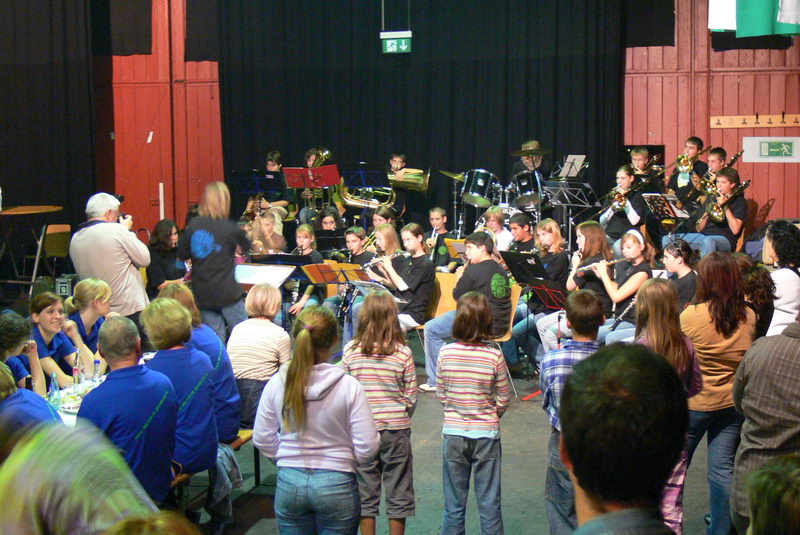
410	179
317	201
371	198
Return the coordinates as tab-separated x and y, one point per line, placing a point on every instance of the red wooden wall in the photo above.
671	92
178	102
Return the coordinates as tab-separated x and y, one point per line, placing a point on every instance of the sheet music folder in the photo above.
324	176
664	206
528	270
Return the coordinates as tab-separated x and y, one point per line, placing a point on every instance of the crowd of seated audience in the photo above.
714	352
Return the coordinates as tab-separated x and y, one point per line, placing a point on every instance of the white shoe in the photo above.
425	387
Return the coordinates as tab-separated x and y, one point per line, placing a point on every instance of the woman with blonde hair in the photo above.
88	307
382	362
210	242
257	348
314	421
658	326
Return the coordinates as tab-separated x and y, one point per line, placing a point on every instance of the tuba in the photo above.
410	179
317	200
370	198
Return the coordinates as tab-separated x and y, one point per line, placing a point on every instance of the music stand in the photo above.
368	287
255	181
366	177
329	240
455	248
324	176
573	165
664	206
571	195
248	275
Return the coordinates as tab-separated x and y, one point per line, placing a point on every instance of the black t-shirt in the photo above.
587	280
556	265
522	246
651	182
739	208
362	258
164	266
419	275
619	223
441	256
490	279
211	244
686	287
622	272
319	289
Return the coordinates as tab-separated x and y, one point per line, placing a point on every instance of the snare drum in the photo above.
478	187
527	186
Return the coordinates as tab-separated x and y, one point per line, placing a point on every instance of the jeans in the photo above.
250	391
436	331
523	335
323	502
621	334
705	244
462	456
223	320
605	331
723	427
284	319
559	494
552	329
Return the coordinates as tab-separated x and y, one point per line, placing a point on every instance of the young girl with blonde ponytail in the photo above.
314	422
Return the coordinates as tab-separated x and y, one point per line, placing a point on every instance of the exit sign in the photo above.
779	149
771	149
396	42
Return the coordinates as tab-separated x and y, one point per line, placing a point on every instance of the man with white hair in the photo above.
105	248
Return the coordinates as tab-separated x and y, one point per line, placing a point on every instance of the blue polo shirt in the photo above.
58	348
137	410
196	436
226	394
24	407
90	338
18	368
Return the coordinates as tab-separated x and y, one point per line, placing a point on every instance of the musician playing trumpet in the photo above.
626	208
720	236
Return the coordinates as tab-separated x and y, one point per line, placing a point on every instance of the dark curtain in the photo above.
122	27
46	144
202	30
482	77
648	23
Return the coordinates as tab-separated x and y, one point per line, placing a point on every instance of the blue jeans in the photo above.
436	331
461	455
723	427
323	502
284	319
223	320
605	330
559	494
624	332
705	244
523	335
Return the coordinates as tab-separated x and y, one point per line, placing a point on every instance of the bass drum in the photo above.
527	186
478	187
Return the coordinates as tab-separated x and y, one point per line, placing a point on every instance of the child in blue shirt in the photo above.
19	352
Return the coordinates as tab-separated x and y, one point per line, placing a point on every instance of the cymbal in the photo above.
531	152
455	176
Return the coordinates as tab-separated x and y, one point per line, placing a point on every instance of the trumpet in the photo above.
591	266
620	196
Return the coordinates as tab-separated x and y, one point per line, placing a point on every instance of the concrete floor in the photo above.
524	438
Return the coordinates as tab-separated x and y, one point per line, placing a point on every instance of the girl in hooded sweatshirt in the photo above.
314	422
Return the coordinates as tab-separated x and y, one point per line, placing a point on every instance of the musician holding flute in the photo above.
626	208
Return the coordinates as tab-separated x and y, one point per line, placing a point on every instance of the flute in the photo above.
433	248
590	266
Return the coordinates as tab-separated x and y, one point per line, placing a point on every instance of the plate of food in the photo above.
71	406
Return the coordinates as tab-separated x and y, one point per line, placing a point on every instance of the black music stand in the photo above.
571	195
664	206
329	240
255	181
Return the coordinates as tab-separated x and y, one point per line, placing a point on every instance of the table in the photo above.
17	213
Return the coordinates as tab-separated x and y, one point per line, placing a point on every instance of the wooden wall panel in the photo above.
695	83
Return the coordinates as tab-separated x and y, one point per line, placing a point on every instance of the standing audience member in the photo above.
759	291
314	421
658	326
626	406
226	395
767	393
19	407
105	248
210	242
384	365
135	407
169	327
473	387
783	246
20	353
58	480
88	307
584	317
257	348
165	268
721	327
679	259
774	494
58	341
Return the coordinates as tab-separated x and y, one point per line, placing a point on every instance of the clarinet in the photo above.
433	249
344	303
295	295
622	315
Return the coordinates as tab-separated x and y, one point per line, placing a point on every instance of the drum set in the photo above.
523	192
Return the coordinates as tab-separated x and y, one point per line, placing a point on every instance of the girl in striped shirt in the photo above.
384	365
473	387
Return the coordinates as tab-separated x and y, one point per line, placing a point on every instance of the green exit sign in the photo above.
396	42
779	149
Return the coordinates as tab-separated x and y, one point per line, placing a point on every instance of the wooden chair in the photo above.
245	436
54	246
516	292
442	300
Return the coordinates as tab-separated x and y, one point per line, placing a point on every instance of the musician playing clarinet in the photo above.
720	235
440	257
625	211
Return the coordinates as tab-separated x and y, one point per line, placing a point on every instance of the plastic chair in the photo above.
55	246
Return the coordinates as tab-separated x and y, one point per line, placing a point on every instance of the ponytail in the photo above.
315	331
